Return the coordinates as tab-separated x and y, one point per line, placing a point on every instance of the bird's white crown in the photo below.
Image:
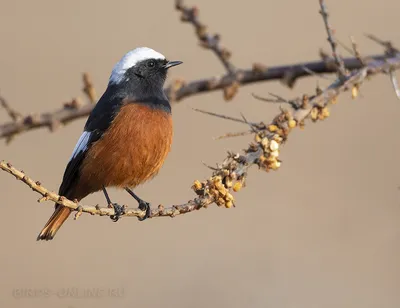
130	59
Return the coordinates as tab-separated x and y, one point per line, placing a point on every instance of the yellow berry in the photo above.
272	128
257	138
237	186
228	204
314	113
354	92
275	165
197	185
229	197
292	123
325	112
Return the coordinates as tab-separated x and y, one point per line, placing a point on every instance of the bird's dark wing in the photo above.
71	173
98	122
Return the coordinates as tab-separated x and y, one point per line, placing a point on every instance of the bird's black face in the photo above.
152	72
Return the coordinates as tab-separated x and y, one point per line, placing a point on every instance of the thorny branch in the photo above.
180	89
231	174
206	40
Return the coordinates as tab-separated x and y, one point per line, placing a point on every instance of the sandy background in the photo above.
324	231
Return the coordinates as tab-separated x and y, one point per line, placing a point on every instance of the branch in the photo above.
181	89
206	40
231	175
48	195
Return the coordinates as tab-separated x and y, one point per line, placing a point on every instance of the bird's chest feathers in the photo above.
135	145
140	128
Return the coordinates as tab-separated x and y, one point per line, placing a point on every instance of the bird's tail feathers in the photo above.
56	220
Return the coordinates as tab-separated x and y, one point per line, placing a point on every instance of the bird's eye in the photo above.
151	64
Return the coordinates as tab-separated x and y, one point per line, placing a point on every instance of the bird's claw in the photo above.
118	210
144	206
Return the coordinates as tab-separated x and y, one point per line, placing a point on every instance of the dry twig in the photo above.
341	70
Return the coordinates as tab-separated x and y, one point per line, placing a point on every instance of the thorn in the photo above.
278	99
230	135
44	198
395	83
78	213
356	51
345	47
209	167
387	44
14	115
247	122
289	78
222	116
54	125
231	90
75	103
9	139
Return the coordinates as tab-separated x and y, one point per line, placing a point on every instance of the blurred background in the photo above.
322	232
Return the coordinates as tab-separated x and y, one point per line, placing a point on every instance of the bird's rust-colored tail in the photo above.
56	220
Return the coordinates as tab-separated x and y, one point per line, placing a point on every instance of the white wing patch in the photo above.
130	59
81	145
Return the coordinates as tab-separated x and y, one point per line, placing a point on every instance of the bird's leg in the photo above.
143	205
118	209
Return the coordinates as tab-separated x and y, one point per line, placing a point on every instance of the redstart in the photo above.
126	138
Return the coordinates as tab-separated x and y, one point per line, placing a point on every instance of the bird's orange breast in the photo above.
130	152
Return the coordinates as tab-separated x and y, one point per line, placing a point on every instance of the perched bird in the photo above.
126	137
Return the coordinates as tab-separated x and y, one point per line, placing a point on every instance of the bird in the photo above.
126	138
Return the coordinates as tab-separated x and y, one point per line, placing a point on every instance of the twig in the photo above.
206	40
390	50
222	116
339	62
231	135
14	115
276	99
88	88
345	47
356	50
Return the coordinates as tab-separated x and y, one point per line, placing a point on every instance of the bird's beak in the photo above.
172	63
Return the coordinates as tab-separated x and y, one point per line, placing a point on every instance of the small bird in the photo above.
126	138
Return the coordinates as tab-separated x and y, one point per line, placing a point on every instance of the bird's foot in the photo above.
144	206
118	210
